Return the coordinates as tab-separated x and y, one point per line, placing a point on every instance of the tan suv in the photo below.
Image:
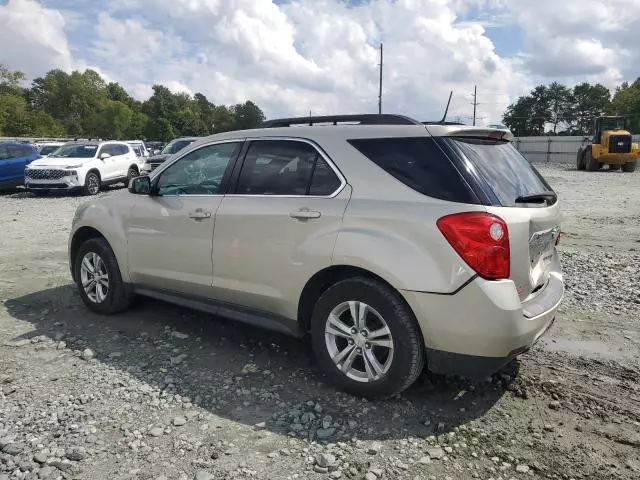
391	242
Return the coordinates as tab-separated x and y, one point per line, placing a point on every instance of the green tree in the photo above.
518	117
112	120
136	129
560	104
159	129
626	101
588	101
42	124
10	81
14	118
247	115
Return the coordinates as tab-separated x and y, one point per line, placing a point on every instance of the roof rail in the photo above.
362	119
440	122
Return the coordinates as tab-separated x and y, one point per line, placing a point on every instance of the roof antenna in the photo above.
446	110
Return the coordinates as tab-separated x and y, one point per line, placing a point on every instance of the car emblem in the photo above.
620	144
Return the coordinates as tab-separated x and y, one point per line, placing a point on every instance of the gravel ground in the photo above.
161	392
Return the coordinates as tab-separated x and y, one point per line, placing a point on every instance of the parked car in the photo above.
173	147
46	148
391	243
139	148
14	157
83	165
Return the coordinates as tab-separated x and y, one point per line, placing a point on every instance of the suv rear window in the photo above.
505	171
420	164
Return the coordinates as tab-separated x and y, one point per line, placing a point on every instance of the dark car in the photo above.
174	146
14	157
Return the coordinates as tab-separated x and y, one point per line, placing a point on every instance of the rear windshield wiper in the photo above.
549	197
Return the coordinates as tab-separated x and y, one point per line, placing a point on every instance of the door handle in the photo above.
305	214
199	214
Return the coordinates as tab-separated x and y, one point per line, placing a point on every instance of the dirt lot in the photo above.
164	393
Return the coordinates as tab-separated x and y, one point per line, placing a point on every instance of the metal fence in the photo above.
552	149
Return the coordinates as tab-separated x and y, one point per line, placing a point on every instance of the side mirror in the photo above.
104	156
140	185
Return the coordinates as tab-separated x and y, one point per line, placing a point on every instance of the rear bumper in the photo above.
482	327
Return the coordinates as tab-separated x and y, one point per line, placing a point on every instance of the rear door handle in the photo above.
305	214
199	214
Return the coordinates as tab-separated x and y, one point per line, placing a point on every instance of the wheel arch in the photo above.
324	279
94	170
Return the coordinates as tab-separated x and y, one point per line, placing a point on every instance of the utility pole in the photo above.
380	89
475	103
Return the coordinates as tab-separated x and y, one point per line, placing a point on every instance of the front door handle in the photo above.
199	214
305	214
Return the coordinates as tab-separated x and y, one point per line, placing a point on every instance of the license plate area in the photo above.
541	246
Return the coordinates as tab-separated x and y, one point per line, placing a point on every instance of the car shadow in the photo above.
247	374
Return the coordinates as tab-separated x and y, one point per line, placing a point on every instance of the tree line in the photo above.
83	104
558	110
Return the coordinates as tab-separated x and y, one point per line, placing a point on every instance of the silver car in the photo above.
393	243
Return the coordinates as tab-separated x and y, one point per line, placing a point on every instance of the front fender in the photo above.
108	219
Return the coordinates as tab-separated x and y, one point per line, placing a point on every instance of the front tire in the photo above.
629	166
131	174
591	163
580	160
366	339
98	278
91	184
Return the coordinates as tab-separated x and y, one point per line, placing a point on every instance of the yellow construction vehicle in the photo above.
610	144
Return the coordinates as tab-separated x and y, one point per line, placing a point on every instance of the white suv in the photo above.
83	165
392	243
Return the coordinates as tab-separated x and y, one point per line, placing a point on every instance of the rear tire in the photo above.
591	163
381	365
629	166
103	291
91	184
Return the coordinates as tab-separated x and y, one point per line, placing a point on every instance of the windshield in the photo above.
507	173
613	124
46	150
175	146
75	151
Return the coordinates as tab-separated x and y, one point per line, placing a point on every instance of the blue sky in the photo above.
296	55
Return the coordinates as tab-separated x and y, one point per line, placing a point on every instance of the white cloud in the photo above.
322	55
32	38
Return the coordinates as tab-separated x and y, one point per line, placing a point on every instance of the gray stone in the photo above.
156	432
435	453
378	472
45	472
203	475
76	454
335	474
260	426
425	460
522	468
326	460
555	405
41	457
319	469
324	433
179	421
370	476
13	448
87	354
374	448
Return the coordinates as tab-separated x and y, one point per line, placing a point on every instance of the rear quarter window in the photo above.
506	173
420	164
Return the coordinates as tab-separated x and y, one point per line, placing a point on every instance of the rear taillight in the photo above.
482	240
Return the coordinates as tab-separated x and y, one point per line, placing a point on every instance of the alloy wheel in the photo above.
359	341
94	277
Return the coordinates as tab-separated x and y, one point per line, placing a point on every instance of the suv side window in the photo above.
419	163
200	172
106	149
285	167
